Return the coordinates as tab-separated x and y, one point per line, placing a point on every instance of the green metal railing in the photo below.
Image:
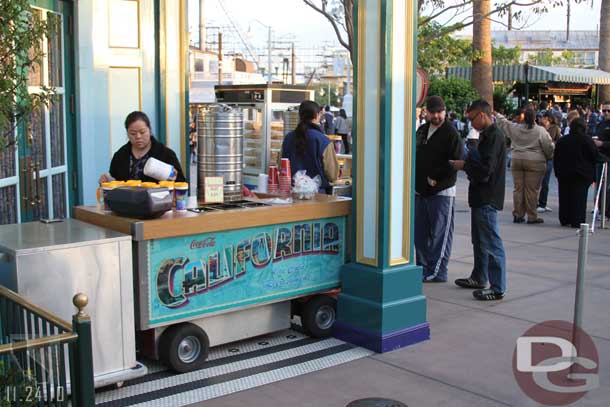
33	348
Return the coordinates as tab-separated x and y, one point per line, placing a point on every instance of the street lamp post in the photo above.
269	73
269	79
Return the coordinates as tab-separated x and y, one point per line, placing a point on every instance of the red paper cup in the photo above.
273	174
285	167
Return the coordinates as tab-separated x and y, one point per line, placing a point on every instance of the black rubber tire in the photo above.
318	316
169	346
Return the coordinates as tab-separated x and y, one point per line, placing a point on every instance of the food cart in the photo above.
224	272
263	106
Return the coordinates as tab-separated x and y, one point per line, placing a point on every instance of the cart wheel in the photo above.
318	316
184	347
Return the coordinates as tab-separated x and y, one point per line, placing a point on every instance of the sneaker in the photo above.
540	209
518	220
547	209
487	295
434	280
535	221
469	283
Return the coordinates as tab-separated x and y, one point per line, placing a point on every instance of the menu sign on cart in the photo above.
214	189
190	276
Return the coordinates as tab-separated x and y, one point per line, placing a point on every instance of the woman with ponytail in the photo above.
532	147
308	148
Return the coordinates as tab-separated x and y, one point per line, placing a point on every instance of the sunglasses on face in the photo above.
606	110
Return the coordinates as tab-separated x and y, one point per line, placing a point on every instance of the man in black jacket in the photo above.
486	170
437	142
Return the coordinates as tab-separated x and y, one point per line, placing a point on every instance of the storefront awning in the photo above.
512	73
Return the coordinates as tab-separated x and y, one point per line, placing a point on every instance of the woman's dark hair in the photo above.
134	117
578	127
308	111
342	113
530	118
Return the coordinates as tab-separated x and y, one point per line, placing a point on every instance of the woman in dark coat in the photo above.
308	148
574	164
129	161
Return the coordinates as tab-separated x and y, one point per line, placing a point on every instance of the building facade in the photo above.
583	45
108	58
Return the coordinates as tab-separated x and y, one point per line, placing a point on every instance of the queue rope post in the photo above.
605	191
583	248
603	180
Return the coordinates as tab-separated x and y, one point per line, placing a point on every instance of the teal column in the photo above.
381	305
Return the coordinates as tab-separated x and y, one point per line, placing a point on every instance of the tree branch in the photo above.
431	17
498	9
323	11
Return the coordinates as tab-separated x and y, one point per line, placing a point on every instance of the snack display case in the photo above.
263	109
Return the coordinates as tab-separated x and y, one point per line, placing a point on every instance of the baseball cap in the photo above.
435	104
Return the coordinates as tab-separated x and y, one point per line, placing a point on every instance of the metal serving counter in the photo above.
49	263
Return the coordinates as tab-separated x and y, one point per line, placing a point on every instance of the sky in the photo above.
289	19
293	20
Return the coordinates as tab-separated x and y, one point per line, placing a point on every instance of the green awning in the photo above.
512	73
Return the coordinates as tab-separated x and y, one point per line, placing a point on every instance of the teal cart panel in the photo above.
191	276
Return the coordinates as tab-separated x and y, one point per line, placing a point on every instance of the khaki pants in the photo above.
527	177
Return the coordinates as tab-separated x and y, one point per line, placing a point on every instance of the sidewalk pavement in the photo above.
468	361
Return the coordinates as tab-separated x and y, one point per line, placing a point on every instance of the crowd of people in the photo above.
535	142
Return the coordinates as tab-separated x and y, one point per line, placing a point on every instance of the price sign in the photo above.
214	189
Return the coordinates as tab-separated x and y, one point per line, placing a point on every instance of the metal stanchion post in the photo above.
583	248
604	192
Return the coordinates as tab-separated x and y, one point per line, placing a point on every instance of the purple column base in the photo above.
382	343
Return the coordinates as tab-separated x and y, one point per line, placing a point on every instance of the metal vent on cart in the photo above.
228	206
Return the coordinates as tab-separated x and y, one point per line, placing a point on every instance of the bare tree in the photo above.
340	15
604	47
481	42
455	14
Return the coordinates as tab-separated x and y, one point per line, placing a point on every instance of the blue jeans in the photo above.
544	190
489	256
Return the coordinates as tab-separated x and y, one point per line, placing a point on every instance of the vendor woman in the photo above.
128	162
308	148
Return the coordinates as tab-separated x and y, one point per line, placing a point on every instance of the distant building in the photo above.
204	74
584	44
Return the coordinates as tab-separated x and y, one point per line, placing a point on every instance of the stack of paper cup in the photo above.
285	177
263	180
273	185
181	191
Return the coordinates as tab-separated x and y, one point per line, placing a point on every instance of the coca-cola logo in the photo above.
200	244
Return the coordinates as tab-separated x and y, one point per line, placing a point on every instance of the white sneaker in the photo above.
547	209
540	209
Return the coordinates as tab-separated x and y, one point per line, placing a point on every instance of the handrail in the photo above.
38	342
52	370
13	296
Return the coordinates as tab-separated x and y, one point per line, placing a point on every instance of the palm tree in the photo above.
604	47
481	42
